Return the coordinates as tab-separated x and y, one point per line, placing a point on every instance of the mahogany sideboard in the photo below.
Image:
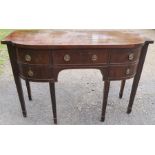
39	55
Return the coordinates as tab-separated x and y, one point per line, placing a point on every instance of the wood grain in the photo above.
75	38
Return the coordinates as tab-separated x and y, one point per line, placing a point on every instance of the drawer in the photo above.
29	56
35	72
84	57
124	55
121	72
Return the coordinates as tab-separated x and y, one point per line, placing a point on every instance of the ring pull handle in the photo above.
67	57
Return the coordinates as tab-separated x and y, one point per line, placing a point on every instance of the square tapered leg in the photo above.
105	98
28	90
53	99
122	88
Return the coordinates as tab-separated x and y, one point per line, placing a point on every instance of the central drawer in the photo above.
80	57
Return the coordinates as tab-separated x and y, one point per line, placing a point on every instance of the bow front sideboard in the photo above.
39	56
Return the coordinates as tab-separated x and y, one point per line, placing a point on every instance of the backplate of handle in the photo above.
67	57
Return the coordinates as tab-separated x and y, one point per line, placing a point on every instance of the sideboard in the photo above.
39	56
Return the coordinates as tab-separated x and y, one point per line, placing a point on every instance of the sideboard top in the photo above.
77	38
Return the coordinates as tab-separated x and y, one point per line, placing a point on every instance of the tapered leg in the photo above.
52	92
122	88
28	89
20	94
12	55
137	77
105	98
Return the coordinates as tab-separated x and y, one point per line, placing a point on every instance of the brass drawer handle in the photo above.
30	73
94	57
67	57
131	56
27	57
128	71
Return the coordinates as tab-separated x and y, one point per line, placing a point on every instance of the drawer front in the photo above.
124	55
29	56
121	72
35	72
71	57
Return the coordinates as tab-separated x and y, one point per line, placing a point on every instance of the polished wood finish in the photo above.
39	56
75	38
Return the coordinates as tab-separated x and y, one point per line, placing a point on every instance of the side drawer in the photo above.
124	55
35	72
33	56
122	72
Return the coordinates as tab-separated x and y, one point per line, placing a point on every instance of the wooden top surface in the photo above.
77	38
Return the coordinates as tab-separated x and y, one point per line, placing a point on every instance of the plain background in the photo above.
75	14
